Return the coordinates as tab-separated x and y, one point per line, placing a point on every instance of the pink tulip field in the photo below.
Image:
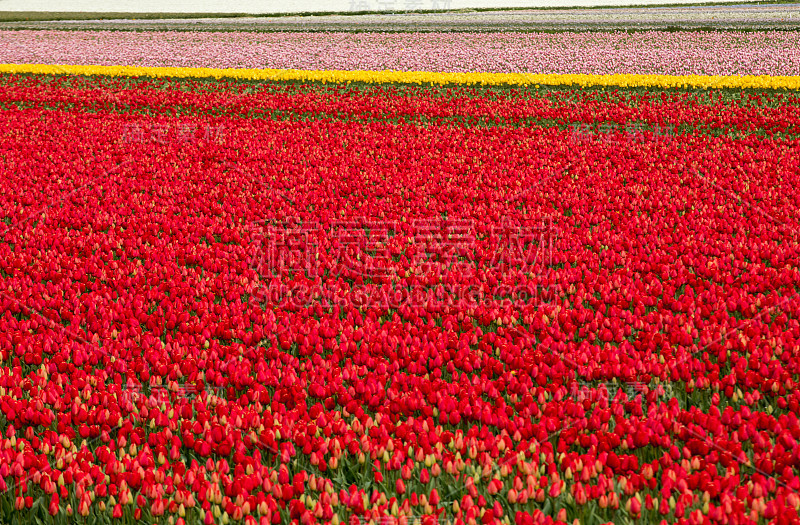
650	52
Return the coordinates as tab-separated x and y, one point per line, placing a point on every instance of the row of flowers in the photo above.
722	53
421	77
149	373
612	117
742	17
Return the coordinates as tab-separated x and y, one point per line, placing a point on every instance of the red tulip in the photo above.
174	296
635	506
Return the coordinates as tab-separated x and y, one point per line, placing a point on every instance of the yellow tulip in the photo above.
417	77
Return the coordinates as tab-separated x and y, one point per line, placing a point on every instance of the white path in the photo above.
294	6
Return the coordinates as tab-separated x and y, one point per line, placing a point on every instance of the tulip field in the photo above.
263	300
618	52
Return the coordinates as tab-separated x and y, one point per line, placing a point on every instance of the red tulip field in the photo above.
262	303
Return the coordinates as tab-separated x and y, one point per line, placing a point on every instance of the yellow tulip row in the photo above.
420	77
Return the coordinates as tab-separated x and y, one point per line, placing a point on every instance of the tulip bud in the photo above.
634	506
512	496
647	472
